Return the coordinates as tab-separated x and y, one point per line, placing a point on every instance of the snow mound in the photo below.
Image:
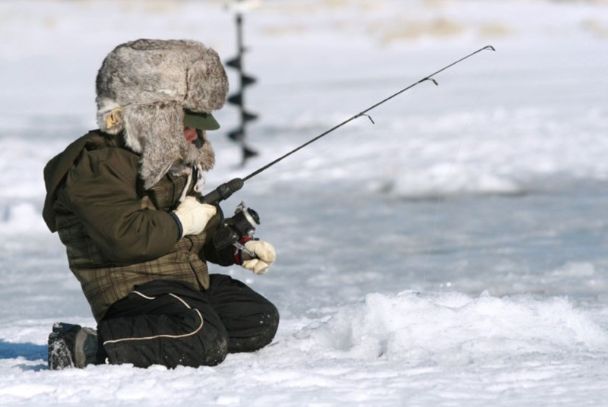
452	328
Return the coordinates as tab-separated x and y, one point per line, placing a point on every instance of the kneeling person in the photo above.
123	200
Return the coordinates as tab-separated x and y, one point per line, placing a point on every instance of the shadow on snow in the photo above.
27	351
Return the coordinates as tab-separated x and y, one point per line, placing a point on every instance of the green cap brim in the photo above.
203	121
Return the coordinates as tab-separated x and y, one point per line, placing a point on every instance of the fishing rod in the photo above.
224	191
240	228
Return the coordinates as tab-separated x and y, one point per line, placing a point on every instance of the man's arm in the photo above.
101	190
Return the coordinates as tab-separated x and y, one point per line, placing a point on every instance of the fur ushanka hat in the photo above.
143	88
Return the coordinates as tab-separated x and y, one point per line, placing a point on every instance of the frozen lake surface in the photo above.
454	253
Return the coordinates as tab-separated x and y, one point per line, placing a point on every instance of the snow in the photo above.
454	253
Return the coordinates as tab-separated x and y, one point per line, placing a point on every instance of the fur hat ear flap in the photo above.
156	131
110	117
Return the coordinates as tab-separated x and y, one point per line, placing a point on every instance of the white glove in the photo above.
265	255
194	215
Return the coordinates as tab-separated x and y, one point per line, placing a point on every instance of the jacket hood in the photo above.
57	168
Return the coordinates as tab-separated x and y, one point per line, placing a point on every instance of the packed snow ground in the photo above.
454	253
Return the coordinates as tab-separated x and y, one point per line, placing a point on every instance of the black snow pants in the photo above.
168	323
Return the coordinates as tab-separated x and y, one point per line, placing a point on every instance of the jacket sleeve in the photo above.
222	257
102	191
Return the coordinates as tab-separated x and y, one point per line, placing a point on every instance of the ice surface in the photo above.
452	253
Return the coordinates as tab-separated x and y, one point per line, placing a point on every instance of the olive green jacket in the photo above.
118	235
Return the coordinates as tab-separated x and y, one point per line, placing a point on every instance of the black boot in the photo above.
72	346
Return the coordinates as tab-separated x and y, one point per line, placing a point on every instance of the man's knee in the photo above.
270	323
266	325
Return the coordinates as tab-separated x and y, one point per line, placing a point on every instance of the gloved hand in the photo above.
194	215
265	255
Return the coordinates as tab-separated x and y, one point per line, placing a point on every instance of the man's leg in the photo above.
250	319
163	322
